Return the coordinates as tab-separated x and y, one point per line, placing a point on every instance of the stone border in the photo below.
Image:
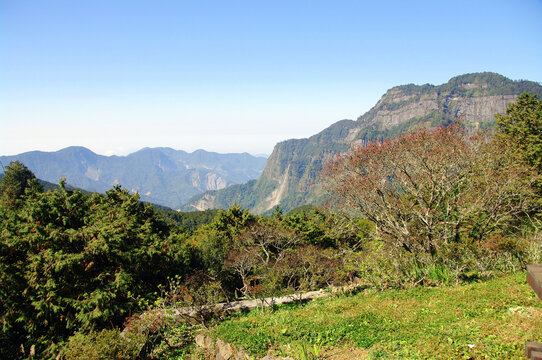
195	314
533	350
224	351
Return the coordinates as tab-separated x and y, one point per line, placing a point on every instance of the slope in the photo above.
162	176
291	175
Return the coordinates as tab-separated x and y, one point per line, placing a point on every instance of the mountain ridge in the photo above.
164	176
291	175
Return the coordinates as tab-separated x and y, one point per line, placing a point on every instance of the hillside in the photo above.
484	320
291	175
162	176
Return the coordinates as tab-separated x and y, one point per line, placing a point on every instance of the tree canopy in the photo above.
521	128
430	187
17	178
72	262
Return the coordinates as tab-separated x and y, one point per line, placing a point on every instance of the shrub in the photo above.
105	344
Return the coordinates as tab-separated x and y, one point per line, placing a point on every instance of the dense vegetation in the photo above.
95	276
495	84
74	262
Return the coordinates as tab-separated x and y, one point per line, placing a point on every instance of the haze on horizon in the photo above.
235	76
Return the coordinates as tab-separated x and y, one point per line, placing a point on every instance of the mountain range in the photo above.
291	175
162	176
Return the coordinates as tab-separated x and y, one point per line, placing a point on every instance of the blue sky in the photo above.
235	76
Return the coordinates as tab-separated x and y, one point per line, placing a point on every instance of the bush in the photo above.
105	345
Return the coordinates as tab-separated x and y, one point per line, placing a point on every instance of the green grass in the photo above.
486	320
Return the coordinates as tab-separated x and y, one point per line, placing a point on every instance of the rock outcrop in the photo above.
291	175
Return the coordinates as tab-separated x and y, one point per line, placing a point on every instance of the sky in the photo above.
235	76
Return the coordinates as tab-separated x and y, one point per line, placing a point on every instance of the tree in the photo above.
430	187
521	127
270	241
17	178
69	263
255	253
323	228
213	241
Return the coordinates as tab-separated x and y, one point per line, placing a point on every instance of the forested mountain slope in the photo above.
291	175
162	176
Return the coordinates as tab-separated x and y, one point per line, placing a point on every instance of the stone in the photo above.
531	347
534	278
241	355
224	350
200	340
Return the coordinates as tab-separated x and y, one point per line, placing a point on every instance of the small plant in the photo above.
316	347
176	343
306	352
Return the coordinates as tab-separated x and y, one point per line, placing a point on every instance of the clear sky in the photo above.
235	76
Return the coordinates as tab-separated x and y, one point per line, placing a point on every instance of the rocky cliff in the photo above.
291	175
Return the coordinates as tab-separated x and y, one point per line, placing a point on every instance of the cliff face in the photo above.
392	110
291	175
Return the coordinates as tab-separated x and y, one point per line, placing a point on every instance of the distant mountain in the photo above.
291	175
162	176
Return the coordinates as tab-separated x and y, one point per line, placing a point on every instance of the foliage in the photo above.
322	228
176	343
430	188
286	253
152	335
74	263
194	298
521	128
385	266
255	253
213	241
188	221
306	352
104	344
310	267
17	178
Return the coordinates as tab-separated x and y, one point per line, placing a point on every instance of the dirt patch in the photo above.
345	354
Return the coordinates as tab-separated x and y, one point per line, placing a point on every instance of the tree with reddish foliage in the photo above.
310	267
255	253
430	187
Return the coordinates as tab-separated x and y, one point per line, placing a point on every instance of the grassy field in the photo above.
486	320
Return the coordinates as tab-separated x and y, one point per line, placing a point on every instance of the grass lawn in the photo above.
486	320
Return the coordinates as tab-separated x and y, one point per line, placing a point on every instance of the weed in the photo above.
303	351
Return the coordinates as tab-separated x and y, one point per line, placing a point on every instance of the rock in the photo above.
200	340
224	351
241	355
291	175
